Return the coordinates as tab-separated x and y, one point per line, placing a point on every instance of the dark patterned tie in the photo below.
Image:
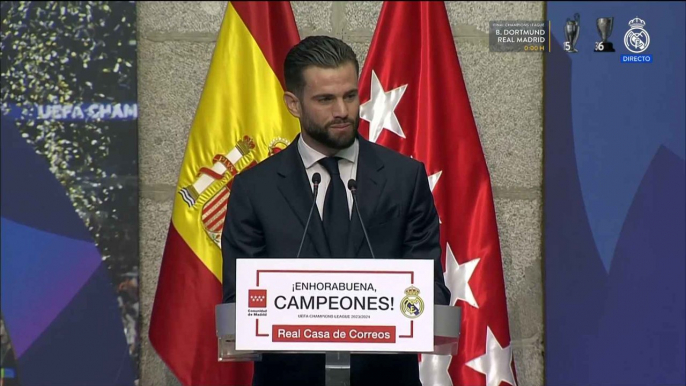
336	214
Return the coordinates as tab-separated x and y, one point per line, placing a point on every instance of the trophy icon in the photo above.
572	33
604	25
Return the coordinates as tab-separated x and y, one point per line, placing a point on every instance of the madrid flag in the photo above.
414	100
241	120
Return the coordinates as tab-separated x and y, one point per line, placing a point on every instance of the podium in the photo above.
446	336
323	289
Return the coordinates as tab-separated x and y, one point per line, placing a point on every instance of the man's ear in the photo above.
292	103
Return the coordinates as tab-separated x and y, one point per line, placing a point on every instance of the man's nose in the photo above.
340	109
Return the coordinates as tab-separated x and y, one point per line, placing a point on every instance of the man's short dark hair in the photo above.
319	51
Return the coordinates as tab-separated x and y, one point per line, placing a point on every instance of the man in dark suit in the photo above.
270	203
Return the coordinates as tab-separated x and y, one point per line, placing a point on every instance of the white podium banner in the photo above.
334	305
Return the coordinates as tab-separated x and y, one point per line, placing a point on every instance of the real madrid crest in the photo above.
412	306
637	38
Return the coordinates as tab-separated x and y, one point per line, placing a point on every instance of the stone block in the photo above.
155	218
171	79
480	13
180	16
530	364
312	16
361	49
506	94
519	228
362	15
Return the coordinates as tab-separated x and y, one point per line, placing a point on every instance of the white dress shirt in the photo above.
347	166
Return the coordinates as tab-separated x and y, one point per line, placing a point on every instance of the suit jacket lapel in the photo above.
295	187
370	184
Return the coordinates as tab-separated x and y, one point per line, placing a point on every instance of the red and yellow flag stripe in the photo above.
241	120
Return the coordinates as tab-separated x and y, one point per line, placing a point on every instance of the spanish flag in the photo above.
241	120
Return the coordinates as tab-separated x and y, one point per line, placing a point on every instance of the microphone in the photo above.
316	179
352	185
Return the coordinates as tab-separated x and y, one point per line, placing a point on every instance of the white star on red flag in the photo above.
413	55
379	110
457	278
433	180
496	363
433	370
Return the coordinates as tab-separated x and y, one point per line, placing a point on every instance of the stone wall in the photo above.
176	41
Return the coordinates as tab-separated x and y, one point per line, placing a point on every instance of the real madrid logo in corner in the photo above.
412	306
636	38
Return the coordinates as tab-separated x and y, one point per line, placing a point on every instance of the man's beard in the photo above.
322	135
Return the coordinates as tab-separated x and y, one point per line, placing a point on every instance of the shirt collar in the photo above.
311	156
